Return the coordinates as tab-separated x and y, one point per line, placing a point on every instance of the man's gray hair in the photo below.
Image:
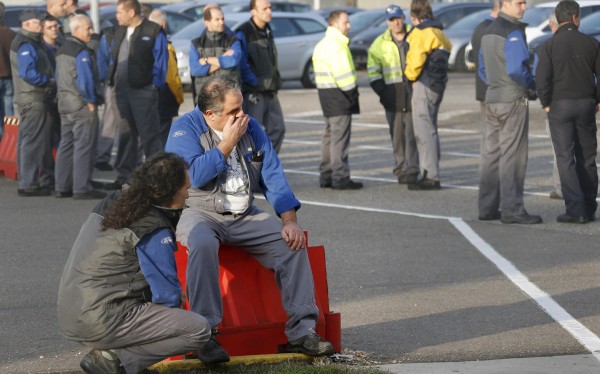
552	19
79	20
158	16
213	92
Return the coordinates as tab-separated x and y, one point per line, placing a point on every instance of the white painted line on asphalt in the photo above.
296	118
395	181
583	335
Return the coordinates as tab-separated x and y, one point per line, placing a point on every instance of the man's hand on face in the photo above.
235	128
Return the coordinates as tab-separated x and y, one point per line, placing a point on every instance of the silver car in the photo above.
296	35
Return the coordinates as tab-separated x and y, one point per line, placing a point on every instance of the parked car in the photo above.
324	12
276	6
175	21
460	36
537	17
12	12
446	13
589	25
296	35
194	8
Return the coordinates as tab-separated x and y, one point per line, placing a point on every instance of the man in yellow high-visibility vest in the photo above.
385	65
336	81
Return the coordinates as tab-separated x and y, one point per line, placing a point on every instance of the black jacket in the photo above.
568	67
480	86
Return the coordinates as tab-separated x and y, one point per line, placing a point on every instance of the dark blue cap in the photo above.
393	11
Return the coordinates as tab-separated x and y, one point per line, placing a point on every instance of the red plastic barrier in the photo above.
253	317
8	148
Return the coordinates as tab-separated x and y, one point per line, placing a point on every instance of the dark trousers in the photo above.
573	132
139	109
34	149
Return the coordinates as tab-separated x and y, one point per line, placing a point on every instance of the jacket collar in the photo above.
510	19
332	32
430	23
568	26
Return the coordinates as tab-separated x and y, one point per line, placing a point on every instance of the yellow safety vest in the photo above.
384	60
333	63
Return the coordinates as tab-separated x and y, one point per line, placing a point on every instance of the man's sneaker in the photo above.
212	352
312	345
348	184
101	362
522	219
424	185
408	178
34	191
104	166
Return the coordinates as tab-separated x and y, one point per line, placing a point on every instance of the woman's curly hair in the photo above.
155	182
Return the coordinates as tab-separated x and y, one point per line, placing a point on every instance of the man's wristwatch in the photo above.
206	60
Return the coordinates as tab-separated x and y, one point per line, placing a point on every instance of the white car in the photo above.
296	35
537	17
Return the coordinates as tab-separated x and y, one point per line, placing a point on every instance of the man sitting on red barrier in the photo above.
230	158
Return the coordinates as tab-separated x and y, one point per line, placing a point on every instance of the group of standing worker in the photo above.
408	69
566	81
59	76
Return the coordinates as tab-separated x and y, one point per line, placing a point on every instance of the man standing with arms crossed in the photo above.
504	66
338	93
568	84
139	68
262	80
216	52
386	63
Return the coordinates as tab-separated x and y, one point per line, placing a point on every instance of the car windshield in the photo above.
470	22
590	24
537	16
193	30
361	20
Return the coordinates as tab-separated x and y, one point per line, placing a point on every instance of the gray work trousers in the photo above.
573	130
504	158
425	106
259	234
111	122
404	144
77	150
335	143
149	333
267	111
139	109
35	164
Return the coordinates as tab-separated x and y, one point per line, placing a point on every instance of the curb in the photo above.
195	364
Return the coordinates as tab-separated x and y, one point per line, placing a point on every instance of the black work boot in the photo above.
312	345
101	362
212	352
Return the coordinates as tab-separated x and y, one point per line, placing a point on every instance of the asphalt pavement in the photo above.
422	285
